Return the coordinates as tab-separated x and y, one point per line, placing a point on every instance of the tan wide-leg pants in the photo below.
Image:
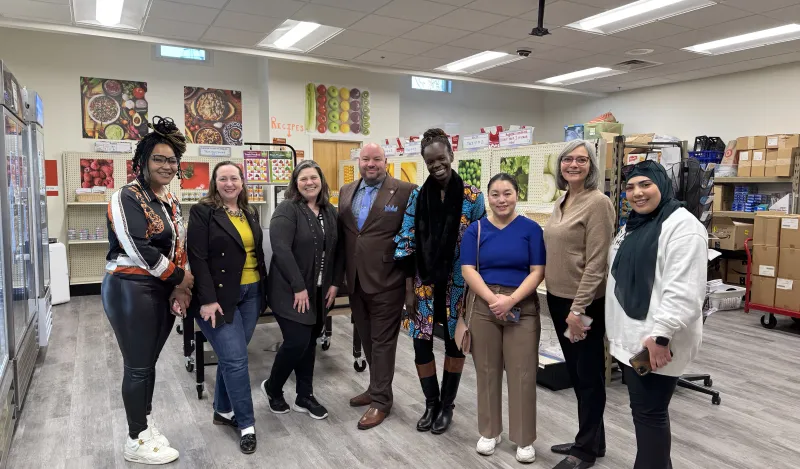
498	345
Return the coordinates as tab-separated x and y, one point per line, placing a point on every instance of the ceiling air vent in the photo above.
635	64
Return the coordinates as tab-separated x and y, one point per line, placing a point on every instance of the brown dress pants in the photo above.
498	345
377	318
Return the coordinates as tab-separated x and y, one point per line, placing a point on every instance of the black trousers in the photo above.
650	396
297	353
139	312
423	349
586	365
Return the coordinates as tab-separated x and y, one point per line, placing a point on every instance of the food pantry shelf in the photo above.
83	204
85	280
87	241
729	214
755	180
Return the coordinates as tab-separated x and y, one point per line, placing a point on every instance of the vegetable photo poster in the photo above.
113	109
195	176
337	110
212	116
519	168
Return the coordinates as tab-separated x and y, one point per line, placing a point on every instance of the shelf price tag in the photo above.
512	138
390	150
412	148
475	142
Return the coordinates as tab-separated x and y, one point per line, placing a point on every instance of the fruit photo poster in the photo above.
212	116
337	109
96	173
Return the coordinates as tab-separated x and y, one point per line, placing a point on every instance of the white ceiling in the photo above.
422	35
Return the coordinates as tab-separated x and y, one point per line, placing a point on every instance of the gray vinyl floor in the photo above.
73	417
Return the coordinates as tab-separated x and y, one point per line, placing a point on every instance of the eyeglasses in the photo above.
581	160
162	160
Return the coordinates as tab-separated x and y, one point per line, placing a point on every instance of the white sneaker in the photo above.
146	450
486	445
526	455
157	435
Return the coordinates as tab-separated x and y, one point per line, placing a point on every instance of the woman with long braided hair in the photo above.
147	281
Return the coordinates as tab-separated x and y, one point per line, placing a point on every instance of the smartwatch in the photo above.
662	341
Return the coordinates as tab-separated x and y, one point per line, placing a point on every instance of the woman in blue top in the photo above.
504	319
435	220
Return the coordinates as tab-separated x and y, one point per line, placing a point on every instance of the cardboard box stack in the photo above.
729	235
766	254
765	156
787	287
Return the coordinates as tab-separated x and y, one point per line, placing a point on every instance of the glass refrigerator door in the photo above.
42	196
20	254
3	308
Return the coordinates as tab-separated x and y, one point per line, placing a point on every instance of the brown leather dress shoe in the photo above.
361	400
372	418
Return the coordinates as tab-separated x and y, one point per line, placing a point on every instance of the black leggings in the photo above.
138	310
423	348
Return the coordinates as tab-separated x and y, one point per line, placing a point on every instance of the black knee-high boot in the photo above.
450	380
430	387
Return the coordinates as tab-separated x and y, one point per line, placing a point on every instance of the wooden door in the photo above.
328	153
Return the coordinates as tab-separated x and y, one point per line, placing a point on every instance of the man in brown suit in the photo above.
370	215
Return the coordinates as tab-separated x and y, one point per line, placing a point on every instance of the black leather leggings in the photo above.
138	310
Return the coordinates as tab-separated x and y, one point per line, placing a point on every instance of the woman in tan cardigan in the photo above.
578	236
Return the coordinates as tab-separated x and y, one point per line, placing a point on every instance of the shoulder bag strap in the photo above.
478	268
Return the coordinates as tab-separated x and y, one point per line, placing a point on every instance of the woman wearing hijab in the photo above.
435	220
654	300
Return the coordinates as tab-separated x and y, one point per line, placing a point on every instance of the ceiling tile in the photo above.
204	3
595	60
174	29
472	20
602	4
234	37
690	75
502	73
564	37
272	8
329	16
359	39
338	51
671	56
436	34
540	69
527	45
458	3
182	12
651	31
743	26
421	63
606	43
407	46
451	53
689	38
254	23
504	7
514	28
563	12
657	49
383	25
788	14
561	54
37	11
411	10
759	6
656	81
381	57
481	41
56	2
704	17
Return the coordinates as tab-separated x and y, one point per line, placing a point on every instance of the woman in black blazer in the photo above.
305	275
227	258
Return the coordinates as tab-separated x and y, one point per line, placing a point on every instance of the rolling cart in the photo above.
768	319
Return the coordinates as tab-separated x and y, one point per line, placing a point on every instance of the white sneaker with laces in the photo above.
159	437
526	455
486	445
146	450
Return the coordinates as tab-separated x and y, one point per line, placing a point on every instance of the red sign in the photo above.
51	177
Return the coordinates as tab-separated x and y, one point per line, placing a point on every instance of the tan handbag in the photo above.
463	336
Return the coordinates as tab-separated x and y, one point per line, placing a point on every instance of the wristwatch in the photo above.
577	313
662	341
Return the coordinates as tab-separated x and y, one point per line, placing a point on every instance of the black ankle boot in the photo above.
430	387
450	381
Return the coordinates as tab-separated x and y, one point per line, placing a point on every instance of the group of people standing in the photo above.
430	251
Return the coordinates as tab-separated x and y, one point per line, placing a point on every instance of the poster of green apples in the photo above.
337	109
518	167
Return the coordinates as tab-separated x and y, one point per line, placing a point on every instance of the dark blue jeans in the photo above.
232	390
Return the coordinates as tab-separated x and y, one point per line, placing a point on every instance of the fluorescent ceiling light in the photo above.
581	76
109	12
479	62
298	36
789	32
636	14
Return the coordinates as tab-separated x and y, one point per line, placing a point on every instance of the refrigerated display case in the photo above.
20	321
41	300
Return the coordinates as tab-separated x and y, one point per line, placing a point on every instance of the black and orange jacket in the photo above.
145	235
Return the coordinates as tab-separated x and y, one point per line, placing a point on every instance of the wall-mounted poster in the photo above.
97	172
256	166
129	174
337	110
281	165
213	117
195	175
519	168
113	109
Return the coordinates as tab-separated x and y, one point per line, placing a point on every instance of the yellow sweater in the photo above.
250	272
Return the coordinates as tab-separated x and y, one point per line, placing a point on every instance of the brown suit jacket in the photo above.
369	253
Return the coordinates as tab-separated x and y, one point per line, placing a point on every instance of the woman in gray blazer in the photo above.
304	279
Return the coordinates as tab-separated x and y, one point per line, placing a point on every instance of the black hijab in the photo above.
638	252
436	227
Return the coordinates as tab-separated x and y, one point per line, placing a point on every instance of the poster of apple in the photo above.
212	116
113	109
337	110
